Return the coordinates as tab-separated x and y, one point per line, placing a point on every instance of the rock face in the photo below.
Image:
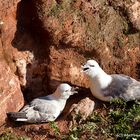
11	98
104	30
44	42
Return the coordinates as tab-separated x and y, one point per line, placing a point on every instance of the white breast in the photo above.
96	86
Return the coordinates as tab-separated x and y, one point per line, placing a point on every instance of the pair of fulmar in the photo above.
103	86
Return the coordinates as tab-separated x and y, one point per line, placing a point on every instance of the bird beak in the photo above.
74	90
84	68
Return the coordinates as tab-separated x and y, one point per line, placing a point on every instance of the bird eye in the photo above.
92	65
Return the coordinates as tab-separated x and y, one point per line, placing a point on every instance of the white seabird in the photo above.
106	87
45	109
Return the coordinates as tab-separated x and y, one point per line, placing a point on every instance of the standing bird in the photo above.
44	109
107	87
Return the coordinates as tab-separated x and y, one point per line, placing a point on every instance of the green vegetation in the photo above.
125	118
55	128
9	135
56	8
118	120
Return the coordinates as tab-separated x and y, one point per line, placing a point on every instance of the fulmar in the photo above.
106	87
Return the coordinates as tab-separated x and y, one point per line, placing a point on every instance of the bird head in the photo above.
91	68
65	90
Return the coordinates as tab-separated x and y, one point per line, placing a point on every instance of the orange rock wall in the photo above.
45	42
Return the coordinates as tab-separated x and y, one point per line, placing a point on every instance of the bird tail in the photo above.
17	116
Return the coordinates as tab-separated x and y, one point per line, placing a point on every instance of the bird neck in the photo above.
58	97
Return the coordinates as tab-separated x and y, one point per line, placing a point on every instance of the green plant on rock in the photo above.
125	118
95	117
9	135
120	120
55	128
75	133
78	131
55	10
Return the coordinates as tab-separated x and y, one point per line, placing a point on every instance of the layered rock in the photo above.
82	29
11	97
61	35
44	42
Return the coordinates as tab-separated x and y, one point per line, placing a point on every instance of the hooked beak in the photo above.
74	90
84	68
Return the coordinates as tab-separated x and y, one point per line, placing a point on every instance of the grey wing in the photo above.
41	111
47	111
46	108
40	100
32	104
124	87
44	105
133	91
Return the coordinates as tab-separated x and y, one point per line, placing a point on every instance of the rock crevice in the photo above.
44	42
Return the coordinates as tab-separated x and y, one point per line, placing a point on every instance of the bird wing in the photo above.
124	87
41	110
47	107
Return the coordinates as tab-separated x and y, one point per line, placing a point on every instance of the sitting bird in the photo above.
81	111
106	87
45	109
